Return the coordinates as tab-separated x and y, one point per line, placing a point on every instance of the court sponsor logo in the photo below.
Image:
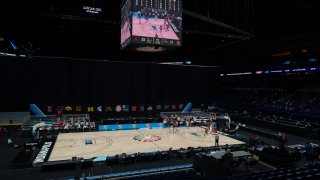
59	113
78	108
105	127
43	153
180	106
99	109
90	109
118	108
120	126
125	108
49	109
147	138
173	107
150	108
141	108
68	108
196	135
133	108
166	107
158	107
108	109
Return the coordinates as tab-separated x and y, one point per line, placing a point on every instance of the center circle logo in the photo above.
147	138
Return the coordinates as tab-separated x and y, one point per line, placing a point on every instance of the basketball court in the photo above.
152	28
111	143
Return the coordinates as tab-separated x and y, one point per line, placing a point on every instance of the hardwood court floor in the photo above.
110	143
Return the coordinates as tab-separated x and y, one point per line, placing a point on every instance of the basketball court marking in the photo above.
111	143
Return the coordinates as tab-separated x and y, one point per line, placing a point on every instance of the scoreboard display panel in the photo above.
157	22
126	23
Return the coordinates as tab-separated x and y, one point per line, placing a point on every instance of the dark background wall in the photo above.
60	81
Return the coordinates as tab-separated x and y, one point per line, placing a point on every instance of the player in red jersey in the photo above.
205	131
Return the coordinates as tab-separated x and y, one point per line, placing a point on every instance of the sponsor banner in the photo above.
51	109
116	127
99	111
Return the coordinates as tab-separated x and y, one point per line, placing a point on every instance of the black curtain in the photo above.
65	81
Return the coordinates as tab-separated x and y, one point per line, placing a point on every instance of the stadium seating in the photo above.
298	104
311	171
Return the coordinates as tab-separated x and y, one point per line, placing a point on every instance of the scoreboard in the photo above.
152	23
126	12
169	5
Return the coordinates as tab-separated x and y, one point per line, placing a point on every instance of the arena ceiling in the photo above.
58	28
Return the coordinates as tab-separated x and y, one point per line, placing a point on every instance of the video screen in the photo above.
126	23
157	22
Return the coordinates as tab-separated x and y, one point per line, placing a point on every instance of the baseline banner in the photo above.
115	127
115	110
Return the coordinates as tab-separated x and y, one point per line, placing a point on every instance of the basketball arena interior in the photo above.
159	89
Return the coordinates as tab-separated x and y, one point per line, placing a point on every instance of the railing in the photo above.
137	172
51	119
48	119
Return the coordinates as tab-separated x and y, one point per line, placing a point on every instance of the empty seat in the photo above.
315	170
280	176
310	176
